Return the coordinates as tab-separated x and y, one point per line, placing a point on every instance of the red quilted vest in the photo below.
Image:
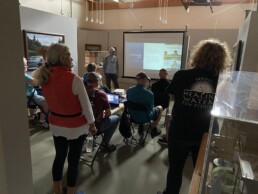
65	108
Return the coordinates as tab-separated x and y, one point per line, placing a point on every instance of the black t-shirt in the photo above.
161	96
194	92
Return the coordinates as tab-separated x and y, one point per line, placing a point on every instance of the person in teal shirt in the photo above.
138	94
40	100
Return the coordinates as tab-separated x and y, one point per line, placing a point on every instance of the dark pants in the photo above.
178	152
113	77
73	148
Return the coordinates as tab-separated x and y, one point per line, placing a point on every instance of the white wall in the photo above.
40	21
248	33
15	157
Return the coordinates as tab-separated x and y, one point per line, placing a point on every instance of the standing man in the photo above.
110	68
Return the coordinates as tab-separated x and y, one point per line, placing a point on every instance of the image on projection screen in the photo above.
150	52
167	56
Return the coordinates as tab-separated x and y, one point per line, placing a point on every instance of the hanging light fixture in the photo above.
166	12
86	11
92	19
61	12
102	13
163	11
99	11
160	10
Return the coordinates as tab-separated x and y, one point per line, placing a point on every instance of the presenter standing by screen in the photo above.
110	68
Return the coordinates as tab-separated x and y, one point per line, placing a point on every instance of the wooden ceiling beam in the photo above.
155	3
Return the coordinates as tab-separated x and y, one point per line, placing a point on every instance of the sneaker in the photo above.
109	148
163	141
43	124
155	132
140	129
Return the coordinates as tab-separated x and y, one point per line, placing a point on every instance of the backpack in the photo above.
125	126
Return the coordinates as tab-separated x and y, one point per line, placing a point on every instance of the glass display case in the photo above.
231	156
96	57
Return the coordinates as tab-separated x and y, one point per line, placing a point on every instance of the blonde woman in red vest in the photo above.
71	116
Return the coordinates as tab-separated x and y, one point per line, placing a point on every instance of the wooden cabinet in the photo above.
96	57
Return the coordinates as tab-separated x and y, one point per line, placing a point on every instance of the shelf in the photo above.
249	166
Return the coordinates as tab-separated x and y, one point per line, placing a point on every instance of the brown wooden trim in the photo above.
196	178
155	3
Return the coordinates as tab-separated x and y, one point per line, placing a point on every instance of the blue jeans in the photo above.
109	126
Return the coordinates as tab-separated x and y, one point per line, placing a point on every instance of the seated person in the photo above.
161	97
104	121
139	94
159	89
91	67
40	100
102	86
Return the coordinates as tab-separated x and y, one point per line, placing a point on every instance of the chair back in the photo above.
136	106
139	107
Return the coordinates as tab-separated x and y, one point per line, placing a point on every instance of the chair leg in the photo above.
145	137
164	124
91	162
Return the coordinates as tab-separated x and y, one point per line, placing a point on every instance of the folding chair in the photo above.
91	156
141	108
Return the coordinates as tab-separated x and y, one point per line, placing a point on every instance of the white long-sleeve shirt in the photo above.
73	133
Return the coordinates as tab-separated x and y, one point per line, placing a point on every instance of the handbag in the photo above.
125	126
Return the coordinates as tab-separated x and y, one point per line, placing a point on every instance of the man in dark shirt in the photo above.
104	121
159	89
161	97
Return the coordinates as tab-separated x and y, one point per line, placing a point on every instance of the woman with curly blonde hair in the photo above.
193	91
70	117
